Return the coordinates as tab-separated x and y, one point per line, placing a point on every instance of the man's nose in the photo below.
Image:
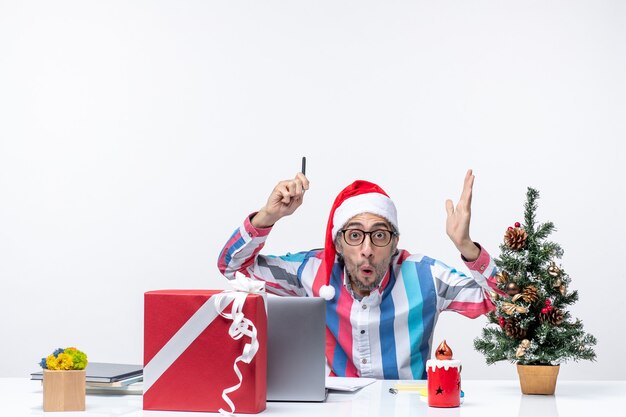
367	249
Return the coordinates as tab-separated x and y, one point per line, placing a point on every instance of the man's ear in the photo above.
338	247
395	244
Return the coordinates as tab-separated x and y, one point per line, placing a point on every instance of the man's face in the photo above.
366	263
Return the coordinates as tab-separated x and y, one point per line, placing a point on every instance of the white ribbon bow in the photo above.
240	327
244	284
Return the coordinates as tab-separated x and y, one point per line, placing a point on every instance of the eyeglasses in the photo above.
380	237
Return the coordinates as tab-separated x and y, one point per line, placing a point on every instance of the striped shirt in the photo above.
387	334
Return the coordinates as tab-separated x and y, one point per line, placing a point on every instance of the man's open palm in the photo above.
458	221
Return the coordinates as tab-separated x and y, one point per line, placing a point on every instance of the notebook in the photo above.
106	372
296	342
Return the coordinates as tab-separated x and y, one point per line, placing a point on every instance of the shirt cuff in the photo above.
481	263
255	231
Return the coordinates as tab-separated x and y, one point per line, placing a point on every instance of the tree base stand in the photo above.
538	379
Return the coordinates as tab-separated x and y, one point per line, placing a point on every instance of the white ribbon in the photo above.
199	321
240	327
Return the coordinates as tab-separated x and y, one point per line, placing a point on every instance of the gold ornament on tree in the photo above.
553	270
562	288
515	237
512	288
502	277
521	349
510	309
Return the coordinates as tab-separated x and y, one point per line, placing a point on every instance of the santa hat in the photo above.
357	198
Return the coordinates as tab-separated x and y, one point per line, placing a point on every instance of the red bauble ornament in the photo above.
544	310
548	302
501	321
509	228
517	224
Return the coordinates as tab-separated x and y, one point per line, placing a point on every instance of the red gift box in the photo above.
189	354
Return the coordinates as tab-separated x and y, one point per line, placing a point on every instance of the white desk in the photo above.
23	397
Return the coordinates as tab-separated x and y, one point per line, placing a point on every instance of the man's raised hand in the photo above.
458	221
285	198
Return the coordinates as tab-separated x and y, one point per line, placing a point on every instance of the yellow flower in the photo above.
62	362
51	362
65	361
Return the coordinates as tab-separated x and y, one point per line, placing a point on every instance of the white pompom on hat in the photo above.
357	198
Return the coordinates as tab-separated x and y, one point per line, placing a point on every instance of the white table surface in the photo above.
23	397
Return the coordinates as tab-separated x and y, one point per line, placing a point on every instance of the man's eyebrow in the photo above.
353	224
374	226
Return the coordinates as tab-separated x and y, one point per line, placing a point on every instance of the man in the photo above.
382	303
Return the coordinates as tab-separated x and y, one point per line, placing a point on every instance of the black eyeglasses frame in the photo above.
392	234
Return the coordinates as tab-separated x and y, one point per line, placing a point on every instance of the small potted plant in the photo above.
64	380
531	326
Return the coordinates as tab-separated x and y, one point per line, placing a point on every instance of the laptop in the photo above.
296	344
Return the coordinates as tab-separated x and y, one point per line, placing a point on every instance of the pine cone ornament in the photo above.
557	317
515	238
530	294
553	316
512	329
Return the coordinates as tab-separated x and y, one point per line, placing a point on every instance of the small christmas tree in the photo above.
532	325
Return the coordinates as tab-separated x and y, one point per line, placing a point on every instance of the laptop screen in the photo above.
296	340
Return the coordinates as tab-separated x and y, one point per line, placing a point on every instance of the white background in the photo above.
136	135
